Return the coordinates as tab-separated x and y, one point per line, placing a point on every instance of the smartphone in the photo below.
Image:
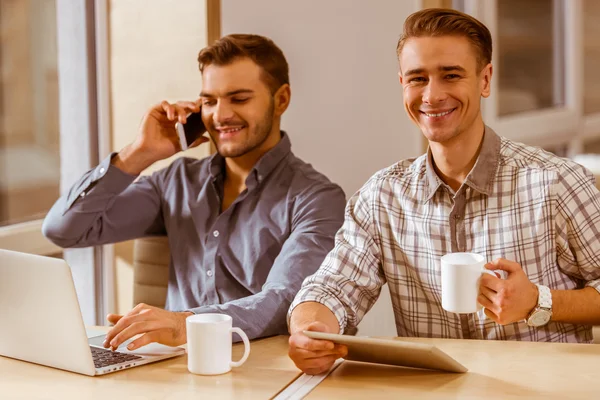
191	130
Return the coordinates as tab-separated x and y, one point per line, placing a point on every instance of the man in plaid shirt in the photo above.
534	214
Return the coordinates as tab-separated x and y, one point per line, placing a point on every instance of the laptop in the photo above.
41	321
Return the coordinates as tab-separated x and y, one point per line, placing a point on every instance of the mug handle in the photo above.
246	347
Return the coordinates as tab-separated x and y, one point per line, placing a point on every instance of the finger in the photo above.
491	282
504	265
135	328
490	294
132	316
181	114
317	326
190	106
144	340
118	327
169	110
199	141
309	355
491	315
113	318
302	341
341	349
169	128
487	303
318	366
184	108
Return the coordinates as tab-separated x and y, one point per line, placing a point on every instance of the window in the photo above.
538	85
591	36
48	108
530	56
29	134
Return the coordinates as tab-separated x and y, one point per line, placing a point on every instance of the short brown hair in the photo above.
444	22
263	51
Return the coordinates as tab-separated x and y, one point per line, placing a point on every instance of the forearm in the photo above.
71	217
306	313
104	206
576	306
132	161
259	315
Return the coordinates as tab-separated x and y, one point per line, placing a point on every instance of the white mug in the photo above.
209	344
460	282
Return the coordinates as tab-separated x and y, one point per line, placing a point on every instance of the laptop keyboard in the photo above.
104	357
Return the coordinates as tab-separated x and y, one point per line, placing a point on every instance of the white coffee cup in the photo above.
460	282
209	344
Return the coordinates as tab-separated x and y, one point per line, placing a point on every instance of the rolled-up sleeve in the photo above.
318	214
350	279
578	224
105	206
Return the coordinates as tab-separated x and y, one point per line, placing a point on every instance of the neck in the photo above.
454	159
237	169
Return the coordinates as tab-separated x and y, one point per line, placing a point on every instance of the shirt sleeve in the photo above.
350	279
105	206
317	217
577	225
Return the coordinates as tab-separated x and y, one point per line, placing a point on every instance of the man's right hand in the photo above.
314	356
157	138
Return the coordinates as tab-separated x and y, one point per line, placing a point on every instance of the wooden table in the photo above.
497	370
266	372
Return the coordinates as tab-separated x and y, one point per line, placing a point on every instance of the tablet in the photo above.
393	352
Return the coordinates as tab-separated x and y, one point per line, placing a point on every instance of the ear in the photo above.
282	98
485	77
400	77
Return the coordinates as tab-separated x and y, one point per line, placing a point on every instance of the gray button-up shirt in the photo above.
247	262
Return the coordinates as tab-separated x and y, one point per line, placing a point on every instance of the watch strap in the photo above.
545	297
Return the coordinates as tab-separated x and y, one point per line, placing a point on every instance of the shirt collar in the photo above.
481	177
263	167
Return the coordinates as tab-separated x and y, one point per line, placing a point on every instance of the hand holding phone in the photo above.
190	131
159	138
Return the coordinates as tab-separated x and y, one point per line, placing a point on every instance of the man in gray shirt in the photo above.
245	226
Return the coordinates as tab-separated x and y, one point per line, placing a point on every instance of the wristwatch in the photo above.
542	313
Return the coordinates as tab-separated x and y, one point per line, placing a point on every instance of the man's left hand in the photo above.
154	324
507	300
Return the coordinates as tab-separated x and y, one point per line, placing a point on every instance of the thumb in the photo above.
113	318
318	327
504	265
199	141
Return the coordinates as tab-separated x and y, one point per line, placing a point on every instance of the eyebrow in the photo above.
228	94
443	68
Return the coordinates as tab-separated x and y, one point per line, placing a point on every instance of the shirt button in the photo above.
457	216
209	273
216	233
102	170
82	194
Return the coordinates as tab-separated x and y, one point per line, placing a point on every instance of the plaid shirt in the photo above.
518	202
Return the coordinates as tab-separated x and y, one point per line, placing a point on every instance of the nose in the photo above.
222	113
434	92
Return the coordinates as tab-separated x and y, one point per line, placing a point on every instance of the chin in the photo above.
231	151
439	135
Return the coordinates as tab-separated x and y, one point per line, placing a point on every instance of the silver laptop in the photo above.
40	320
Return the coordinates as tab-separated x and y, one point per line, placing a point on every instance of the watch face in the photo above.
540	317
